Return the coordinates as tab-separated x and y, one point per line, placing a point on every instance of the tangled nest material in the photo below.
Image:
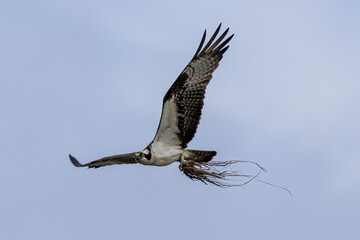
221	173
218	173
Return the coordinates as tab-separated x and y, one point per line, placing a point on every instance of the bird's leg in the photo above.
182	162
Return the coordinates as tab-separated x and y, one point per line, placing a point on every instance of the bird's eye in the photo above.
142	154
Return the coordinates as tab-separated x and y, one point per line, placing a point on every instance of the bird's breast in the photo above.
162	154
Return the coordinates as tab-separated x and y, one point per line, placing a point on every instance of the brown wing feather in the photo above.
128	158
188	91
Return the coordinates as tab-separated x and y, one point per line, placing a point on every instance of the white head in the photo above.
144	156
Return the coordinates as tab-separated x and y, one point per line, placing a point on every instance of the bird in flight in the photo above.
181	112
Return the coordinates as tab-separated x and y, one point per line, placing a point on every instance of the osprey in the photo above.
179	120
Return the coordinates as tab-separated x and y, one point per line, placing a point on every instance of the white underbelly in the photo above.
163	155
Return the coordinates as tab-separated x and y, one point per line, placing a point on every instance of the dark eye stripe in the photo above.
148	156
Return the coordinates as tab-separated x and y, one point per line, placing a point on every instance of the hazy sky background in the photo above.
88	78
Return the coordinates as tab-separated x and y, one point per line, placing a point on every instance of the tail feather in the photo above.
199	156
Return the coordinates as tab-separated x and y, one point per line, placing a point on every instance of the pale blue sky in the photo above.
88	78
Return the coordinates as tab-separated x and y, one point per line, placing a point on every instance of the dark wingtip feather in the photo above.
222	51
201	44
211	39
218	28
75	162
224	43
218	41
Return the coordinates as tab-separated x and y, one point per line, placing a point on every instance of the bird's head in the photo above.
143	156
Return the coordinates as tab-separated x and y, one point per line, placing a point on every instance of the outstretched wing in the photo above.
128	158
184	100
